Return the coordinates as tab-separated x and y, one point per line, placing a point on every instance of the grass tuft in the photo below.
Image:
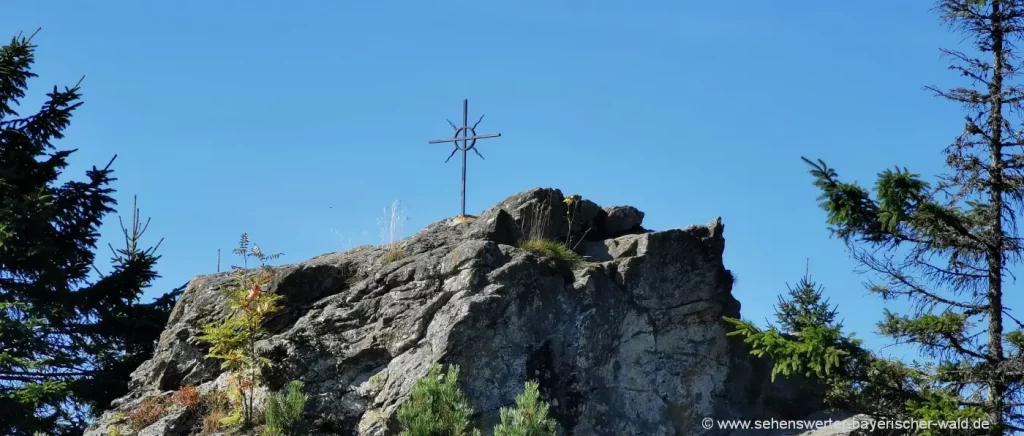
391	231
553	250
393	254
216	404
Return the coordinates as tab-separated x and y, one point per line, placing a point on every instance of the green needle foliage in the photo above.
805	307
807	341
284	412
69	339
946	247
233	340
437	407
528	418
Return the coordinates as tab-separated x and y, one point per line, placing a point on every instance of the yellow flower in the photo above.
571	199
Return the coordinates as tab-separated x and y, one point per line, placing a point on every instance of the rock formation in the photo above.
632	343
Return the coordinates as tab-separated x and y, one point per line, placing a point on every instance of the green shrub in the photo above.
437	406
284	411
528	418
552	249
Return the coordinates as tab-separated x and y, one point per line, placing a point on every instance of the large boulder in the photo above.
630	343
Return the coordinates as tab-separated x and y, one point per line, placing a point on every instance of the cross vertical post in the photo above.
465	121
467	136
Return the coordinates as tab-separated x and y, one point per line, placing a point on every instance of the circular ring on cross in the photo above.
470	133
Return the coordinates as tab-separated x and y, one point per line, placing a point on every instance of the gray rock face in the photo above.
620	220
631	344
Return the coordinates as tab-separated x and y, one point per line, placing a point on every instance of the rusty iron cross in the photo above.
467	136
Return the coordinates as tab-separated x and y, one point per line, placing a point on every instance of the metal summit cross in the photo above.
468	136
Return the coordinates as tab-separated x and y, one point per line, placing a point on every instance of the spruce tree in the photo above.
805	307
809	342
947	246
68	338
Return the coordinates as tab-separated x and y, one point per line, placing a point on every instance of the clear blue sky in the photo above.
287	120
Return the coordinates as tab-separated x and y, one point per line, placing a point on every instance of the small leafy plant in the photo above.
437	406
149	411
234	340
187	397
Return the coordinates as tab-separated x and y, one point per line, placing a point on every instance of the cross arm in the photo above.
471	138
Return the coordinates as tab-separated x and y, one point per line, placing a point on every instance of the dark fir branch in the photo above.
68	341
946	245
